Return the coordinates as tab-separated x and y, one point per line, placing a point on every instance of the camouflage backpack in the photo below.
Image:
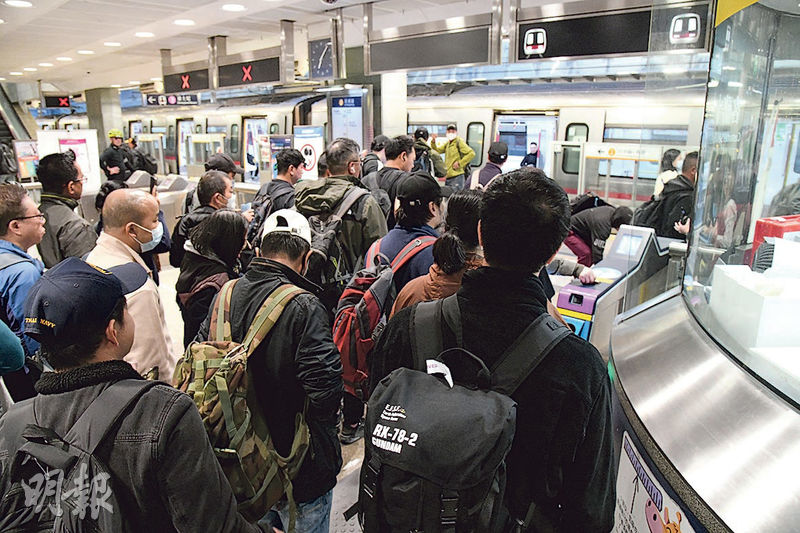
214	374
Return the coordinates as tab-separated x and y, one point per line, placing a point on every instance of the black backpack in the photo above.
8	161
262	207
147	162
370	181
442	468
84	497
648	214
423	163
328	265
586	201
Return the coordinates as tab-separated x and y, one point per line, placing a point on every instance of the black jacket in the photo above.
388	179
164	473
593	226
297	360
370	163
198	283
563	447
281	194
114	156
183	230
488	173
677	200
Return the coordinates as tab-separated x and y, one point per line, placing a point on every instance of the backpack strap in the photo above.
268	315
373	252
525	353
92	427
350	198
7	260
427	333
221	315
410	250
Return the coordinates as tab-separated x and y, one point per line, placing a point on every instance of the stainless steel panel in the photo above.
592	7
250	55
434	27
733	440
186	67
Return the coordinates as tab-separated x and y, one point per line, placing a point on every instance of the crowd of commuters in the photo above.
95	323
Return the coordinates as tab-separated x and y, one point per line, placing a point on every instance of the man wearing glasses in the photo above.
67	234
21	226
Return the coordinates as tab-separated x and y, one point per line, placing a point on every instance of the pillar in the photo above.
394	104
104	112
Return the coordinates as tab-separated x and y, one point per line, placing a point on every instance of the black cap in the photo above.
379	143
452	127
75	294
419	189
421	133
499	150
224	163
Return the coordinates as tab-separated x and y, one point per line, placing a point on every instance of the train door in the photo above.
529	138
576	127
254	129
185	130
135	128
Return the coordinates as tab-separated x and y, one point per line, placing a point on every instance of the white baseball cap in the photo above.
290	221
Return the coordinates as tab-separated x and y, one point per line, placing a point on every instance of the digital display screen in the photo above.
628	245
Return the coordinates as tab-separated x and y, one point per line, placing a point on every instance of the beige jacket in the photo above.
151	342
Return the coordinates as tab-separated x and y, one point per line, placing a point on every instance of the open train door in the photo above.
529	138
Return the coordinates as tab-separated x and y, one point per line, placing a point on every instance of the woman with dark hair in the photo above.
455	252
667	171
209	262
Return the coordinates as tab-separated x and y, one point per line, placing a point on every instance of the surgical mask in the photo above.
231	202
451	136
157	234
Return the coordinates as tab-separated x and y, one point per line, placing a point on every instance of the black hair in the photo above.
378	143
668	159
55	171
534	142
340	154
62	356
461	224
289	157
449	254
106	189
421	133
620	216
221	234
410	216
283	243
211	183
690	161
11	197
322	165
525	216
398	145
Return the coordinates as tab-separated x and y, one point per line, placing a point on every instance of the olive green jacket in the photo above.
455	150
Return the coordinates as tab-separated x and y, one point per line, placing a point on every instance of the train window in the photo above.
146	129
576	132
171	138
665	135
216	129
475	132
198	128
234	138
273	129
439	129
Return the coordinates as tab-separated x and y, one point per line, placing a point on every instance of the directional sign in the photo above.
249	72
56	101
170	99
196	80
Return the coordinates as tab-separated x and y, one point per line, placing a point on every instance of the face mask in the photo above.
451	136
231	202
157	234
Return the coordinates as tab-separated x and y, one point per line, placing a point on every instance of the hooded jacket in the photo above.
295	362
361	226
420	148
65	233
677	200
183	230
455	150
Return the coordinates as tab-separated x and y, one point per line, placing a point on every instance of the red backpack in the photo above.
363	311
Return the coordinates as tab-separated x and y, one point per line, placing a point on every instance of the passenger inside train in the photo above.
298	276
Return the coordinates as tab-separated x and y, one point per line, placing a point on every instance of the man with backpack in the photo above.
671	213
432	164
457	157
560	467
141	160
400	156
296	369
114	160
101	449
278	193
590	228
498	153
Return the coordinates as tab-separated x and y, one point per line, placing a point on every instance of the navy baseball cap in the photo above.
75	294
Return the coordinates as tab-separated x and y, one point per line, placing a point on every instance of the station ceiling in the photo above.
99	37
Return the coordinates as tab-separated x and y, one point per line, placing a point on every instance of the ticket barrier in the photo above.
634	271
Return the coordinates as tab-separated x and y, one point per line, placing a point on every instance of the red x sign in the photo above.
185	81
246	69
63	102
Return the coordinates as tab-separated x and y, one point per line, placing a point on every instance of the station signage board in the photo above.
632	32
310	140
56	101
250	72
195	80
167	100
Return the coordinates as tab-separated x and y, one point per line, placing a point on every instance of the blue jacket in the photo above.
15	282
396	240
12	356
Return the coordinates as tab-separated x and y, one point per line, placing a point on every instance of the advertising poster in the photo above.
310	140
83	143
347	118
276	144
27	158
81	150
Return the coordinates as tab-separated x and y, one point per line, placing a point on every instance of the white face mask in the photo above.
451	136
231	202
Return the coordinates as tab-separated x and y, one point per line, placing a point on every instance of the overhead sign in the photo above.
196	80
310	141
51	100
170	99
249	72
633	32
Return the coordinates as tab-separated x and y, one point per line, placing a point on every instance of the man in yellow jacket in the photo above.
457	155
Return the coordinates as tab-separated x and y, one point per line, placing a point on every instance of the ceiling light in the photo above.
18	3
2	79
45	64
29	69
713	83
112	44
63	59
233	7
734	84
2	21
134	82
144	34
86	52
155	79
16	73
184	22
116	86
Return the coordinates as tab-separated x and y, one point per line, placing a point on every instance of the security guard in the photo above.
114	161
